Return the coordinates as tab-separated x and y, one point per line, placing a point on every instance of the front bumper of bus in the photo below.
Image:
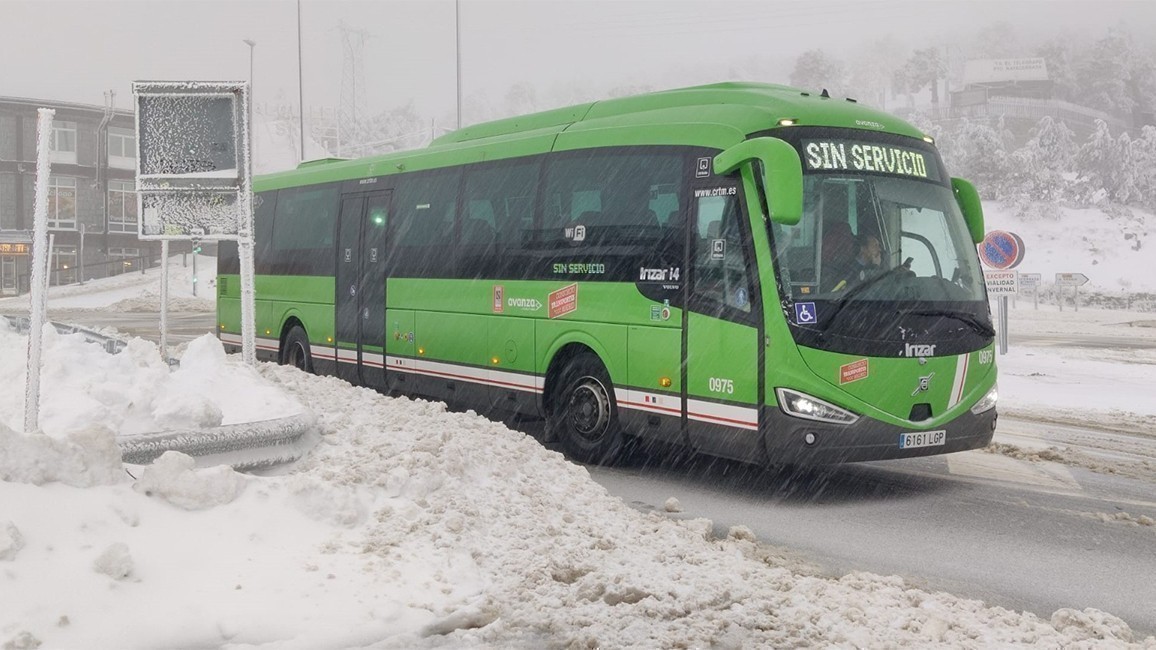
791	440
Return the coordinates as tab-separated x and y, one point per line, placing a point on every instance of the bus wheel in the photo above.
584	413
295	352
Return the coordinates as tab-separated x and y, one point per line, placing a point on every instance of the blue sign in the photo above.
804	313
1001	250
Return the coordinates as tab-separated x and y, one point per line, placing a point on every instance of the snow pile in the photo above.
408	527
565	564
85	457
133	392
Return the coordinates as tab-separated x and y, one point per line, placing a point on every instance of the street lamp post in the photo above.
252	44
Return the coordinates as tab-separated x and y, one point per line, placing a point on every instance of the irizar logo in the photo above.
659	275
919	350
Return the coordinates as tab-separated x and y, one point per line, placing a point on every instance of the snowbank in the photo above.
408	527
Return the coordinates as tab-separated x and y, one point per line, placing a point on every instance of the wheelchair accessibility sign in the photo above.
804	313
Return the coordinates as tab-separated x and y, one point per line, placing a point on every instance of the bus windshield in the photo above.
882	249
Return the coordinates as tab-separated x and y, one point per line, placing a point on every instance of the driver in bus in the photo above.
868	260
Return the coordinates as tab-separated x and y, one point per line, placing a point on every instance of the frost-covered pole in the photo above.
38	298
245	238
165	300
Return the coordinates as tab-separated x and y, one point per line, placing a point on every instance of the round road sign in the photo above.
1001	250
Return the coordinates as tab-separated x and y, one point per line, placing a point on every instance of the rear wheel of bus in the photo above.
584	414
295	350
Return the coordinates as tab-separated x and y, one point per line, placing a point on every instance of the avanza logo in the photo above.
918	350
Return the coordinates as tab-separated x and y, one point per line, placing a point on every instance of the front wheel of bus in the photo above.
584	414
295	351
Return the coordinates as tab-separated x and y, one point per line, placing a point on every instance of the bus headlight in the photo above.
802	405
987	402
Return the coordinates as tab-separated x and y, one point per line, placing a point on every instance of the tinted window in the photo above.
303	226
721	281
305	218
624	197
497	217
422	231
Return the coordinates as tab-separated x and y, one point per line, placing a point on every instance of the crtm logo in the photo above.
920	350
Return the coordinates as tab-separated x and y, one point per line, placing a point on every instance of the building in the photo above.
92	203
1021	92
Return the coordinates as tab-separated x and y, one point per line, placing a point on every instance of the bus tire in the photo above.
295	350
584	414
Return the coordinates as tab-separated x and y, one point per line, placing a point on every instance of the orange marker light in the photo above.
664	382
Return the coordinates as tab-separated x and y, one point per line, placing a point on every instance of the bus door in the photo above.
359	303
722	342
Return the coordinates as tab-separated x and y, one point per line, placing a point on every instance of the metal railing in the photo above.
65	275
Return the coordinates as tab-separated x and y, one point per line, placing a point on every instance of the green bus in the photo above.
676	267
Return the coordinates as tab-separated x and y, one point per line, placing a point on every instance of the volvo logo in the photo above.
924	384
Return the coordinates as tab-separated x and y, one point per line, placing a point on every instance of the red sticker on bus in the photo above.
563	301
499	299
853	371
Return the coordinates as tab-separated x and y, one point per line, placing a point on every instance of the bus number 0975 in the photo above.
720	385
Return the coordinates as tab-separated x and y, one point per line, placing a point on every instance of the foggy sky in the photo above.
75	50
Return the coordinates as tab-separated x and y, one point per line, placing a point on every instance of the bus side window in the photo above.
420	242
498	218
720	272
304	224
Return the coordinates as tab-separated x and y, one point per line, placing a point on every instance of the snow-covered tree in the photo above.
391	130
1097	164
1040	166
815	69
1112	74
871	69
924	69
1144	149
979	152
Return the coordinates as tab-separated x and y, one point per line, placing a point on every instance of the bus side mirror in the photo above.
968	200
782	174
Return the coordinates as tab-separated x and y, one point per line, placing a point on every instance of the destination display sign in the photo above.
852	155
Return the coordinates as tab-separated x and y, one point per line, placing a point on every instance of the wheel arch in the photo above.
558	362
290	320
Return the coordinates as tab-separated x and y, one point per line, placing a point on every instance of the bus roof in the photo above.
715	115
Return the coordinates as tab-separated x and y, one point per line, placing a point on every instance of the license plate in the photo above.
922	439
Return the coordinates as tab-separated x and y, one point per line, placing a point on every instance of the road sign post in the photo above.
193	174
1002	251
1032	281
1073	280
1001	284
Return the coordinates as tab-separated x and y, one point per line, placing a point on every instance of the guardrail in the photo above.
111	345
248	445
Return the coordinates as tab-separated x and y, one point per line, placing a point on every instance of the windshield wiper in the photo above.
962	316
